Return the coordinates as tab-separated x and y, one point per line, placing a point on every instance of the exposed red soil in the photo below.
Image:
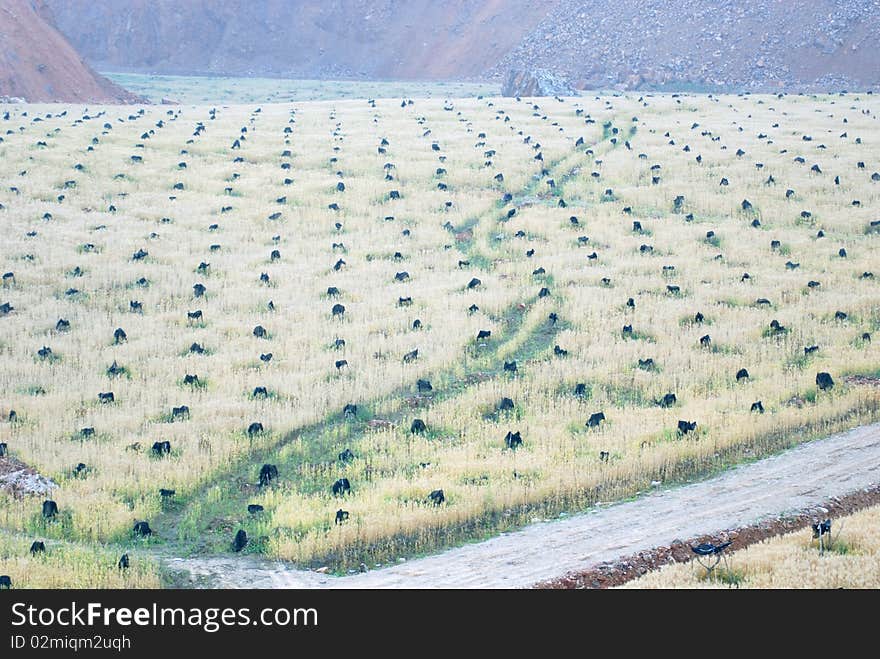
38	64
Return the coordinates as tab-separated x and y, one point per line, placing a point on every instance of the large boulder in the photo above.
523	82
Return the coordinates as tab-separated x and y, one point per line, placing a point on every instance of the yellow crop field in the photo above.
421	320
851	560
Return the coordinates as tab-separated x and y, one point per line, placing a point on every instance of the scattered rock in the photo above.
19	480
526	82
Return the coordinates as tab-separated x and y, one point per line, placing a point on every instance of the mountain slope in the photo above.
764	45
38	64
341	38
761	45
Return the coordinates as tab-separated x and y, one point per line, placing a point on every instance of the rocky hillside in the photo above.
373	39
754	45
707	44
38	64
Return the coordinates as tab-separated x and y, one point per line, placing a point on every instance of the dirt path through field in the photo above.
790	481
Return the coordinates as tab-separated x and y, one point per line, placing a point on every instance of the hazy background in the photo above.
718	45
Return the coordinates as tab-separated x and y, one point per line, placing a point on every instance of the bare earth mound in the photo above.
38	64
17	479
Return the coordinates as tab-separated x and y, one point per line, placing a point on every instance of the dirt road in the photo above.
790	481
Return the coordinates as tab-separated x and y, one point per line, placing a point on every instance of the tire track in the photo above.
792	480
241	471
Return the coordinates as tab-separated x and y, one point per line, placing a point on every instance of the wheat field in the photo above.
436	221
850	560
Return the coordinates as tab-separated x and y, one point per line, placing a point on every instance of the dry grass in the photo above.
790	561
67	565
214	463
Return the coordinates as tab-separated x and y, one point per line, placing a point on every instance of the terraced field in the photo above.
419	297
